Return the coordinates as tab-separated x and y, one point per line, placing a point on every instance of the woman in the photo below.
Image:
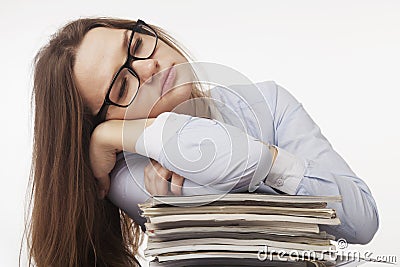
103	86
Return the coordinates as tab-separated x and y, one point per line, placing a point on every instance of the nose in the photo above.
145	69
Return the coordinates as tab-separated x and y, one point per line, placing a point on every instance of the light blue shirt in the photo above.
230	154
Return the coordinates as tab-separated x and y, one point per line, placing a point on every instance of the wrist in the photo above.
132	129
120	135
111	134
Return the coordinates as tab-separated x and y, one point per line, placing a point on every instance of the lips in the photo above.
168	80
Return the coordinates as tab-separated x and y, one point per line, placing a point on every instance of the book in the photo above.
241	198
232	229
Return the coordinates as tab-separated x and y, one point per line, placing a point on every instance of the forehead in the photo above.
100	54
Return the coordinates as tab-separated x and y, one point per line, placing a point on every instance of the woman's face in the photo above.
100	55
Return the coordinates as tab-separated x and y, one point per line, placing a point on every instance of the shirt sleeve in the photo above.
306	164
207	152
127	188
213	157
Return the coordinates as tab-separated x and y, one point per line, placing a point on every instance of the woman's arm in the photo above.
235	159
207	152
307	164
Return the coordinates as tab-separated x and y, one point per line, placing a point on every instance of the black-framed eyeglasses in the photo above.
125	84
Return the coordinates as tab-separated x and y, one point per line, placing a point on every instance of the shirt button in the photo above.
279	182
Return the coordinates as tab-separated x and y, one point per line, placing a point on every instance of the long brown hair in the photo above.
69	225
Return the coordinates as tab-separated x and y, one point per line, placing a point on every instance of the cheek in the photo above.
137	110
146	100
151	105
180	93
179	97
116	113
171	100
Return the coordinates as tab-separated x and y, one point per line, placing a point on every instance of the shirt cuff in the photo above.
264	167
151	142
286	172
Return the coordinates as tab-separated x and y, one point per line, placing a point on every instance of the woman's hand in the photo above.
105	143
156	179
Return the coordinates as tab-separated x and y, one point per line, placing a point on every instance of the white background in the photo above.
339	58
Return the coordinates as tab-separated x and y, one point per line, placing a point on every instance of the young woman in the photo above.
103	86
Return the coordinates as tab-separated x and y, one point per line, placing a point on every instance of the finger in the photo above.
155	164
150	174
156	178
161	185
103	186
164	173
176	184
148	183
162	180
156	169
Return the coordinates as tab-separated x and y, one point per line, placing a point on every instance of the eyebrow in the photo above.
124	44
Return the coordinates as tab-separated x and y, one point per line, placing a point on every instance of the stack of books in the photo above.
244	229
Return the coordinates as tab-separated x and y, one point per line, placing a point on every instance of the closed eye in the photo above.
136	45
122	89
